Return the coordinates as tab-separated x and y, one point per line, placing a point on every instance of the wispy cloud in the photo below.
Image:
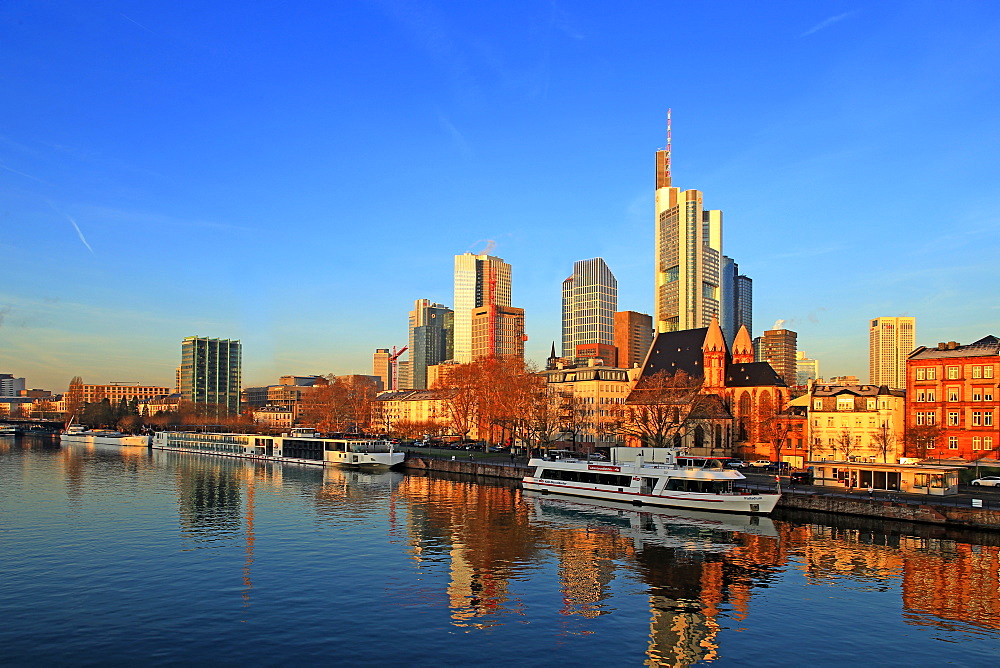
111	215
129	18
79	233
20	173
456	134
826	23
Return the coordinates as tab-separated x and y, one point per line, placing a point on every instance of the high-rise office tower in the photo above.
778	347
890	341
211	372
633	337
807	370
737	300
497	331
431	329
382	368
10	386
589	302
688	253
480	280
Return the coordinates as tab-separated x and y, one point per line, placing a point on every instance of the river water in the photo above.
117	556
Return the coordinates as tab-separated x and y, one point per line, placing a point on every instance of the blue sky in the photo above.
294	175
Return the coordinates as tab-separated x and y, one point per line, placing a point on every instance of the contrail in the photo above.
828	22
80	234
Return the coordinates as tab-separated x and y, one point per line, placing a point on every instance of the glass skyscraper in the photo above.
211	372
431	339
589	302
688	254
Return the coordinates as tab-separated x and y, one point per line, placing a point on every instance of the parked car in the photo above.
776	466
735	463
760	463
801	477
987	481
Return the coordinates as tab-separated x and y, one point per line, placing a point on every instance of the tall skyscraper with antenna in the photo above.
688	253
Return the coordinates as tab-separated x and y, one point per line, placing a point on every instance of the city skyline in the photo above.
162	179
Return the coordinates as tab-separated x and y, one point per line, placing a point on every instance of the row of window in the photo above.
954	418
845	422
953	394
954	372
978	443
847	404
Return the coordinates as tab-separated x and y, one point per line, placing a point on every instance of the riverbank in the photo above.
895	507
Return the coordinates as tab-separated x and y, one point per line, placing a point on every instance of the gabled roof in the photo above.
753	374
677	351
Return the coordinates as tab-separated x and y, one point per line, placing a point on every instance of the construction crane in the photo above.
394	365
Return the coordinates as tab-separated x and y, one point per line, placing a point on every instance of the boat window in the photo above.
590	477
700	486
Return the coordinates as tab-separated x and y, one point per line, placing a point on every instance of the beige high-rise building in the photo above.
480	280
381	367
890	341
633	337
688	254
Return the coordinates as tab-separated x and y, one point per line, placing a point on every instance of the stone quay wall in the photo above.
976	518
466	467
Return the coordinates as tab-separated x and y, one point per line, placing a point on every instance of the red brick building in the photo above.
952	396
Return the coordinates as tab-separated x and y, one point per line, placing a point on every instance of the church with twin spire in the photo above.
736	397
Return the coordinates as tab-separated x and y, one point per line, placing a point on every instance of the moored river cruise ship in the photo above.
302	446
76	434
649	476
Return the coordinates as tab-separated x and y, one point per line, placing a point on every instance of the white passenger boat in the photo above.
650	476
76	434
302	446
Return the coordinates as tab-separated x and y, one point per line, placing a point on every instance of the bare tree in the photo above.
544	417
656	411
884	440
74	398
776	429
921	438
845	443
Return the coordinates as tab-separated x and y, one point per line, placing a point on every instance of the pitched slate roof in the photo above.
752	374
677	351
682	351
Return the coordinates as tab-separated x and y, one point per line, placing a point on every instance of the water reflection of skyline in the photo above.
486	553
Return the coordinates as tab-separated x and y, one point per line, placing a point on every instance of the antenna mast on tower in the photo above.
663	160
669	138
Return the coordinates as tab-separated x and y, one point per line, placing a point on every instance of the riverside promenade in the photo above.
957	511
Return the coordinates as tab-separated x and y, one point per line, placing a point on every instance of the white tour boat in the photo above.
77	434
649	476
302	446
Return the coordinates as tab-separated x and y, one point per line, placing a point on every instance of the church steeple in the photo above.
551	362
743	347
713	352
